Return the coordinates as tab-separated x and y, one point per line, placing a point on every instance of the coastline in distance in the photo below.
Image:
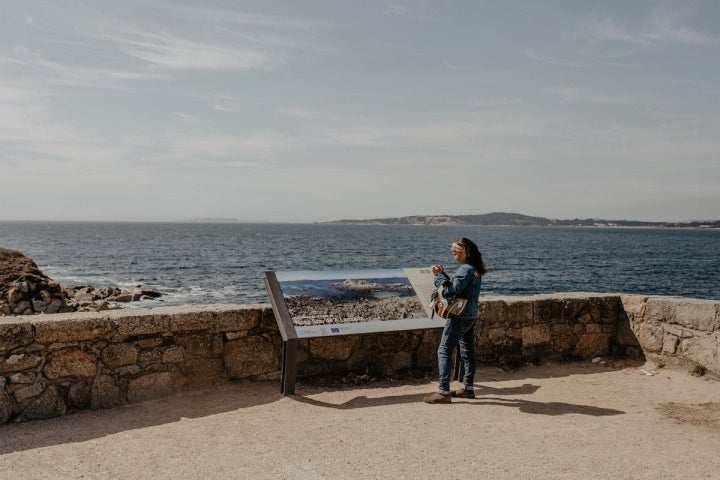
520	220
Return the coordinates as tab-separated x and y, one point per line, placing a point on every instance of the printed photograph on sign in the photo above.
351	296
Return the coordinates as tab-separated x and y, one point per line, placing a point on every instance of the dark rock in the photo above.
25	290
150	293
79	395
104	393
122	298
6	408
48	405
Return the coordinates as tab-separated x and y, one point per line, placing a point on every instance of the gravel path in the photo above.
558	421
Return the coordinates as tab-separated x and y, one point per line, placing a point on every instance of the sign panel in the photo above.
345	302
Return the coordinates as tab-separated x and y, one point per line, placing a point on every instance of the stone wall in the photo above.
516	330
54	364
51	365
674	331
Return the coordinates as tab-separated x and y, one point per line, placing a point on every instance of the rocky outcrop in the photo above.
88	298
26	290
362	285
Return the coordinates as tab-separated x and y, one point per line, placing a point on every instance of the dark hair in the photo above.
473	256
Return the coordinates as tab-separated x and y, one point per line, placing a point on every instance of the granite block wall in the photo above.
54	364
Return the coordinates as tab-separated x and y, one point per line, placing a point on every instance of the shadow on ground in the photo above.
525	406
87	425
315	383
486	394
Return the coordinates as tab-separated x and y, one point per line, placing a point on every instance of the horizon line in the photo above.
224	220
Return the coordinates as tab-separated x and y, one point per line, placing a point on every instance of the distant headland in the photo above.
215	220
520	220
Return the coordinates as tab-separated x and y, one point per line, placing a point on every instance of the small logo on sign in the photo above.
335	330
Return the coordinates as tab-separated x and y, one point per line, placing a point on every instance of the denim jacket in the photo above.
465	284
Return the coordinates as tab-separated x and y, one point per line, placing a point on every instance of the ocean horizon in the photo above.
198	262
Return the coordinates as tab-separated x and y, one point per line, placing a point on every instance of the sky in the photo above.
309	111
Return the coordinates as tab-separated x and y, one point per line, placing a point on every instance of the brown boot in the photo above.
437	398
463	393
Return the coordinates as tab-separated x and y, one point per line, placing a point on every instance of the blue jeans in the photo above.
457	331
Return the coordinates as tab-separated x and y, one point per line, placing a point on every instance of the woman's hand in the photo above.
437	269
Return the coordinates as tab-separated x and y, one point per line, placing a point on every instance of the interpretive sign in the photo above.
311	304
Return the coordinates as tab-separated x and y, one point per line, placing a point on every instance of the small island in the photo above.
362	285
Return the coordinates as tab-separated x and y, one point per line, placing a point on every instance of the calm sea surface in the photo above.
224	263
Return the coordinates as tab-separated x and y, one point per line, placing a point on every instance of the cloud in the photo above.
90	50
395	9
22	109
187	37
16	94
212	14
180	149
91	47
172	52
578	94
588	61
169	95
661	27
26	61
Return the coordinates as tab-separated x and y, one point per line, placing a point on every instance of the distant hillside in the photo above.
215	220
502	218
495	218
520	220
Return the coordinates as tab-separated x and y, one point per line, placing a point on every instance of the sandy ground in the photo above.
561	421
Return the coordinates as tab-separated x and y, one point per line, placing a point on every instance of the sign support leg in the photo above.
288	370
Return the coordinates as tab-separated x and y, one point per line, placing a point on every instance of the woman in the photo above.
460	329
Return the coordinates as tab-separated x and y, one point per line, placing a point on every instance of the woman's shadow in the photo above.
485	395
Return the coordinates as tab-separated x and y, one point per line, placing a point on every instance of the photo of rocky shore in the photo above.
26	290
306	311
351	300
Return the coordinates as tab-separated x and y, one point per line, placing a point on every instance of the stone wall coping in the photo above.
134	312
547	296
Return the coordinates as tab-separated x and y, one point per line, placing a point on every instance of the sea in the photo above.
201	263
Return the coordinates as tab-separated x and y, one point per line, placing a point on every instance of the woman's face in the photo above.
458	253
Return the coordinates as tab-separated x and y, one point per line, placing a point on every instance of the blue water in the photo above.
325	289
213	263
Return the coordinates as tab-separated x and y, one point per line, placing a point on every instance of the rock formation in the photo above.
25	290
362	285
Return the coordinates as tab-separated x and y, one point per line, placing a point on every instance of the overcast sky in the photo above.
302	110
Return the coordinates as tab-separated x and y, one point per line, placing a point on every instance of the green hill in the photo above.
494	218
